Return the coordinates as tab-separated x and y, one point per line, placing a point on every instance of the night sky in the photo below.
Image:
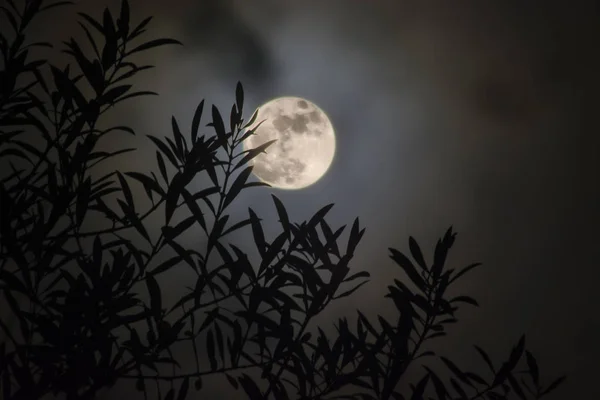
476	114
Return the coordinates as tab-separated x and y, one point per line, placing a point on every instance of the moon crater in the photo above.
305	143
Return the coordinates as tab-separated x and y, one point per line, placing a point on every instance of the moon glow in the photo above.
305	143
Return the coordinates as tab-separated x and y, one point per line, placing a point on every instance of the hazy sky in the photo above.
479	114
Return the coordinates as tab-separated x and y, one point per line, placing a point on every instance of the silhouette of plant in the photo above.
73	288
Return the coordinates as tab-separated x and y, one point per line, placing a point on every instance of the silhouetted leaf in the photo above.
553	385
465	299
420	388
164	149
349	292
508	366
196	121
183	389
12	282
217	124
166	265
162	167
178	184
464	271
516	387
109	53
111	95
250	387
179	140
355	237
138	30
173	232
486	358
237	186
152	44
318	217
236	226
239	97
123	21
533	368
232	381
250	154
455	370
415	250
459	389
257	232
155	297
83	196
148	183
408	267
210	350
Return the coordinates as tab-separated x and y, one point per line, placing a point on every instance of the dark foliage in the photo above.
73	321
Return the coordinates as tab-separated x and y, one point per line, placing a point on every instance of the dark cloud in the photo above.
482	115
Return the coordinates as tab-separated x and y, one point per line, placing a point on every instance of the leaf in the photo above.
134	219
179	140
12	282
166	265
553	385
237	186
218	126
464	271
178	184
533	368
110	96
123	21
126	191
138	30
232	381
147	182
250	387
239	97
171	233
509	366
415	250
349	292
318	217
194	208
164	149
408	268
455	370
516	387
136	94
253	152
92	22
486	358
465	299
282	213
196	121
257	232
355	236
109	53
155	297
440	389
151	44
162	167
210	349
185	385
236	226
83	196
420	388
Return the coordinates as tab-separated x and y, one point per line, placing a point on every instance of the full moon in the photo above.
305	143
